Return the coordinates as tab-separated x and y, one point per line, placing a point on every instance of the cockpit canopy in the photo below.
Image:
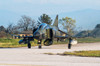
43	26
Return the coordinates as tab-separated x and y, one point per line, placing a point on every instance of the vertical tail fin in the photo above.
56	22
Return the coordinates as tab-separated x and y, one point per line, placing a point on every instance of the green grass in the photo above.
83	53
50	53
88	40
80	40
12	43
79	53
9	43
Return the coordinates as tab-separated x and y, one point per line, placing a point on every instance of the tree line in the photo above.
26	23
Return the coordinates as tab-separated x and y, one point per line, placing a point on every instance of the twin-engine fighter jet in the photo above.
48	33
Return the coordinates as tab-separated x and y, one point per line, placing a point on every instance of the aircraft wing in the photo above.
25	39
61	37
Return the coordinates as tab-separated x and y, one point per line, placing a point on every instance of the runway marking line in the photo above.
21	65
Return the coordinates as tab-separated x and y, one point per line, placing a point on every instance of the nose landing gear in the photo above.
40	44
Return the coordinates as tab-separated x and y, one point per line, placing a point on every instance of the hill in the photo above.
96	31
83	34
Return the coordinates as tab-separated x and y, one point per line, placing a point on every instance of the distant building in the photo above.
23	34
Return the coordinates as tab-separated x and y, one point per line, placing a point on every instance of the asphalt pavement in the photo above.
36	57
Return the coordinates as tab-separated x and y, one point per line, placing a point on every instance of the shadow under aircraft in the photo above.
48	33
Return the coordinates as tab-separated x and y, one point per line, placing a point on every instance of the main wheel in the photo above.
69	46
29	45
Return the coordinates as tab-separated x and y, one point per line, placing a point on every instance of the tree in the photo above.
45	19
2	32
26	22
10	29
2	28
68	24
33	24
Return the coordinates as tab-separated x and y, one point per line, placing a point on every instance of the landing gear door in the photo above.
49	34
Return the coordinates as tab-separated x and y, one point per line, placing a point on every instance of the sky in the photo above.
51	7
38	7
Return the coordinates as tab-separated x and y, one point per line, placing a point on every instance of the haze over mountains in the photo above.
85	19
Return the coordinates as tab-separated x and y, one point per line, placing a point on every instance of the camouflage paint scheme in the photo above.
47	32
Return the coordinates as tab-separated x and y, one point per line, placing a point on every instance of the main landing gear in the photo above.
29	45
69	45
39	44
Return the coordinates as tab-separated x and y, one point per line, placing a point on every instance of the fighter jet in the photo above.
48	33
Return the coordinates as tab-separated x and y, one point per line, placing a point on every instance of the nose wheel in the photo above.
40	44
29	45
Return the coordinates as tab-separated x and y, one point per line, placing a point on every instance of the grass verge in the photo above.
12	43
83	53
79	53
88	40
80	40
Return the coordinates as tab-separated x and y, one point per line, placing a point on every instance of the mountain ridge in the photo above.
87	19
